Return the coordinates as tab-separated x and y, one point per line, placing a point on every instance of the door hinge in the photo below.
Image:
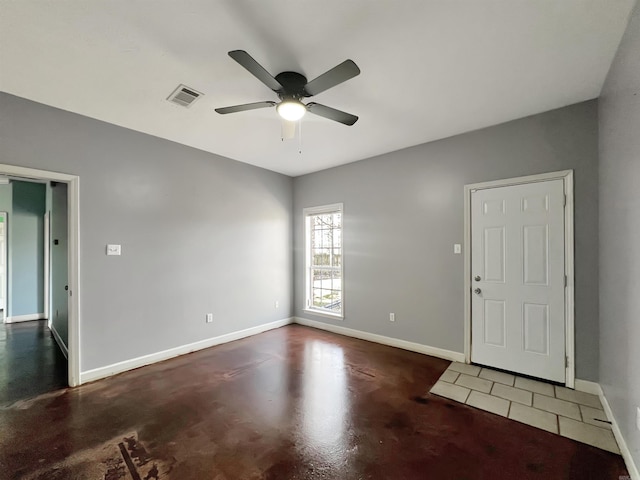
566	361
565	200
565	281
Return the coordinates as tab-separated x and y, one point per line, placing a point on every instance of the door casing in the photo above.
569	291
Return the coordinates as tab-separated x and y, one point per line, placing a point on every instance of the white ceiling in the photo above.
430	68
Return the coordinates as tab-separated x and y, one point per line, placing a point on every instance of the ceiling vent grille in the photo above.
184	96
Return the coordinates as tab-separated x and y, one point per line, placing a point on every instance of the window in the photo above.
323	235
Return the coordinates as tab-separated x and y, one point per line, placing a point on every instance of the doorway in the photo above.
519	276
71	287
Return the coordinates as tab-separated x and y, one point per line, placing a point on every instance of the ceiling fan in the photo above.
292	87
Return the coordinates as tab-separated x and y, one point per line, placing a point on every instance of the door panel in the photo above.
494	323
536	265
536	328
517	251
494	254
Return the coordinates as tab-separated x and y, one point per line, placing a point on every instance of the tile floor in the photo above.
560	410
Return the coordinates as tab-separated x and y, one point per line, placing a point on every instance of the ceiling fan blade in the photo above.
246	106
332	113
338	74
257	70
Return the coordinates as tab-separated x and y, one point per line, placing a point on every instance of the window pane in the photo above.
327	292
336	259
321	256
336	280
337	237
317	297
319	281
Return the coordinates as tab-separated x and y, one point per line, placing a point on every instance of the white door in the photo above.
517	270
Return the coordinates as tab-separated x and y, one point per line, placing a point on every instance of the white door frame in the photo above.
567	177
47	286
73	213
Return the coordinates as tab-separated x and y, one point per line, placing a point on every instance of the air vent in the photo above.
184	96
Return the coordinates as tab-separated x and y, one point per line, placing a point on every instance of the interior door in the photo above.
518	279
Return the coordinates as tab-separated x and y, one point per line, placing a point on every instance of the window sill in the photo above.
334	316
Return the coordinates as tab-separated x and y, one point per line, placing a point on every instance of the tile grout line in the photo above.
533	393
542	409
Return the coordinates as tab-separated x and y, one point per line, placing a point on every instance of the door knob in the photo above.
478	291
477	278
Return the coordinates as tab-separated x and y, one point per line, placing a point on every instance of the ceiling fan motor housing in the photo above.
293	86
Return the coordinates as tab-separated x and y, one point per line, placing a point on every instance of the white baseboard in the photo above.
392	342
25	318
624	448
594	388
103	372
588	387
59	341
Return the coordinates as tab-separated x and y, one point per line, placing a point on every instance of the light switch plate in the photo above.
457	248
113	249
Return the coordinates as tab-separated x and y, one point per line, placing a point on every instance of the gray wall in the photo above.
26	249
620	235
403	212
200	233
6	198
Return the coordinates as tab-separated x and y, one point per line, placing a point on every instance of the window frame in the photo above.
308	213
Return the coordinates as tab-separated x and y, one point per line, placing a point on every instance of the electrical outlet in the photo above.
276	304
392	317
209	317
114	249
457	248
638	417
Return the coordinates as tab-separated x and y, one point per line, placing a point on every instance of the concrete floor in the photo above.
292	403
30	361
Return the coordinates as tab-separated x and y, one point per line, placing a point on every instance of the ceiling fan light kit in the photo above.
292	87
291	110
